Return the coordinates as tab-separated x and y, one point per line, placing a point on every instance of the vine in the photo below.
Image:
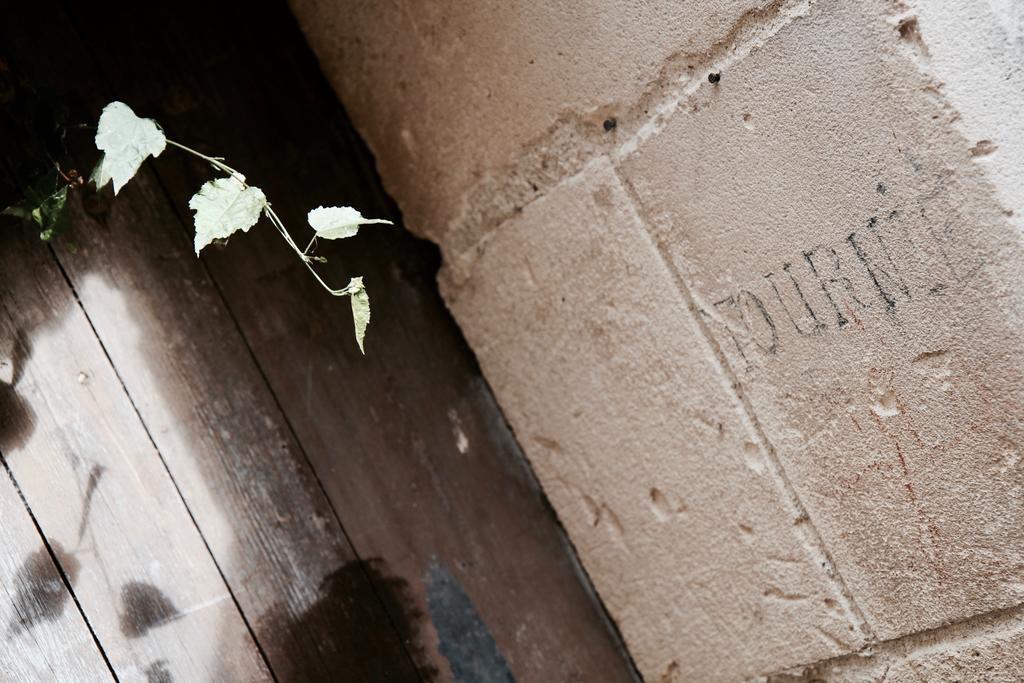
222	206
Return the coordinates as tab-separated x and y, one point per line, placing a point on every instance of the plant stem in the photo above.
305	259
270	214
213	161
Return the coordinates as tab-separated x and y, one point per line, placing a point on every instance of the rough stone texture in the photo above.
791	291
451	95
987	649
974	51
640	445
891	382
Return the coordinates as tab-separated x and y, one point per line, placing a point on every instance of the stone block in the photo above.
860	273
989	649
637	438
472	108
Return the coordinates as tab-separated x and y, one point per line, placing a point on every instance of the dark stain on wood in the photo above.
144	607
40	594
385	460
90	490
380	438
16	417
28	116
274	553
157	672
465	640
353	640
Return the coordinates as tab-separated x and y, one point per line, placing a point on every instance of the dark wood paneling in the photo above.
412	451
103	500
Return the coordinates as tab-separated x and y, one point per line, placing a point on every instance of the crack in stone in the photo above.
811	538
974	630
576	138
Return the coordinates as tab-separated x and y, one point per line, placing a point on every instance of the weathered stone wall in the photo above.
759	337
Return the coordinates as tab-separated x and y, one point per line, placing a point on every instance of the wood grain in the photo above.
382	431
100	493
408	443
43	633
261	511
263	514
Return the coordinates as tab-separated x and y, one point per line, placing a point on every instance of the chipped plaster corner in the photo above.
974	55
573	139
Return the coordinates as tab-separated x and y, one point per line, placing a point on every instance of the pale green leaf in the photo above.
223	207
338	222
360	309
126	141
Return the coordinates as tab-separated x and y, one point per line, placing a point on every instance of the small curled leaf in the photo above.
338	222
223	207
126	141
360	309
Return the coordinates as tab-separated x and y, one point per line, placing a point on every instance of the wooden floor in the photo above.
203	479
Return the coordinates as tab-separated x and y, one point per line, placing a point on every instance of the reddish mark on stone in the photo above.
930	550
856	320
878	422
855	423
937	543
856	477
903	460
911	427
899	453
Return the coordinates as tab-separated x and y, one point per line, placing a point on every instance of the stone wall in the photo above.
743	275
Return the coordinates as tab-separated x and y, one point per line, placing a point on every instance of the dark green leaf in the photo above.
54	214
45	204
22	209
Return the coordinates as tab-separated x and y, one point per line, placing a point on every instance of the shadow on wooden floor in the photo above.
208	458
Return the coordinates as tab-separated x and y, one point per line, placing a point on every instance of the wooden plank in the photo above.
98	489
45	637
412	450
257	502
259	506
